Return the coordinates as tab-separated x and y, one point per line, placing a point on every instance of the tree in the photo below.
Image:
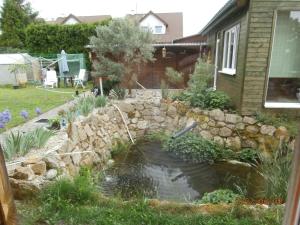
121	47
16	15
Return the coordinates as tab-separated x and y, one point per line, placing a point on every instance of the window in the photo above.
158	29
230	50
284	72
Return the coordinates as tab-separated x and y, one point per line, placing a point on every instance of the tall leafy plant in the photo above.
120	48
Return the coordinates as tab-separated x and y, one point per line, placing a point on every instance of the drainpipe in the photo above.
216	64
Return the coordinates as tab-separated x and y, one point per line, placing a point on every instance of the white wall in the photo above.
150	22
71	21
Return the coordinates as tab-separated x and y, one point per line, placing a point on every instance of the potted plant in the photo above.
18	69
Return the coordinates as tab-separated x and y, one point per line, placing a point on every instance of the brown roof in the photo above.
195	38
80	19
173	21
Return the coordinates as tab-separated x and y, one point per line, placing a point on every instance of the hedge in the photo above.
47	38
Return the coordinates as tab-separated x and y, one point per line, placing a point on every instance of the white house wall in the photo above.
71	21
151	21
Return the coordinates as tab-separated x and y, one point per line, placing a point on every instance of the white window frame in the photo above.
277	105
229	67
159	27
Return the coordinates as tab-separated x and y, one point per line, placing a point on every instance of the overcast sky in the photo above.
196	13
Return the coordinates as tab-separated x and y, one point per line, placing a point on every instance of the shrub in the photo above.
85	105
191	147
119	147
80	190
18	144
249	155
216	99
117	93
282	120
100	101
276	171
219	196
173	77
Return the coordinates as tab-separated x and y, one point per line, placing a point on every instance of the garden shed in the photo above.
9	60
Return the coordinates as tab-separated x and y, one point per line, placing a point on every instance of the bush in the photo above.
277	121
85	105
117	93
18	144
219	196
248	155
276	171
119	147
80	190
216	100
191	147
173	77
100	101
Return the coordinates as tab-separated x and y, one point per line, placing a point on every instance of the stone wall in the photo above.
88	140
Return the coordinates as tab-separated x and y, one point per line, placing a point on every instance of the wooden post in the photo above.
8	209
101	86
292	208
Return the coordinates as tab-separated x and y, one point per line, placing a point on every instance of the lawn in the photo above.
29	98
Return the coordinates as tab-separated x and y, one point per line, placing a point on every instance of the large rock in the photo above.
126	107
267	129
252	129
249	120
51	174
206	135
142	125
52	162
217	114
248	143
233	118
225	132
233	143
171	111
25	189
218	140
39	168
23	173
88	130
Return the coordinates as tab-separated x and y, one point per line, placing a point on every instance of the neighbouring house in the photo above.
165	26
7	61
255	46
72	19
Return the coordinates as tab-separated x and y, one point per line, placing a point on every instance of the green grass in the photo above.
29	99
79	202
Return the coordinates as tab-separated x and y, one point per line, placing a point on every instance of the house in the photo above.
165	26
72	19
255	46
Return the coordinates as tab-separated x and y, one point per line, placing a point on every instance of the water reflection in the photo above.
150	172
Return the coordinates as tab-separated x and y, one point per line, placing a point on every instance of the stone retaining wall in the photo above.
95	134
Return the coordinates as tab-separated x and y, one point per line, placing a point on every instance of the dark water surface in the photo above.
149	171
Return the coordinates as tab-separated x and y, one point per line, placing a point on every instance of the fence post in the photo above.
292	208
7	206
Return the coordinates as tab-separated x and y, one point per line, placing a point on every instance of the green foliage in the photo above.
164	90
117	93
85	105
40	136
16	15
249	155
54	123
276	171
80	190
18	144
216	100
279	120
120	147
121	47
100	101
219	196
48	38
193	148
108	85
157	136
173	77
199	93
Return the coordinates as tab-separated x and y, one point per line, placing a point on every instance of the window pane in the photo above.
231	50
158	29
226	49
284	73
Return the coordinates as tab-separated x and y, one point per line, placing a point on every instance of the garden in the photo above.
125	158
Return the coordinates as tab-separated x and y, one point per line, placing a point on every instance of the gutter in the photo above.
230	7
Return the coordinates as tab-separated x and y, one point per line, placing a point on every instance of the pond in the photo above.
148	171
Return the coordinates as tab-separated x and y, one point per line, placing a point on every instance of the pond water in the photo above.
148	171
